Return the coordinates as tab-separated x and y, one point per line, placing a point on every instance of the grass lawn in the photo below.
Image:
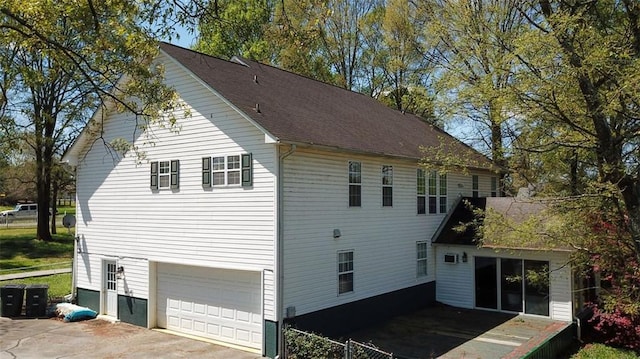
20	251
59	284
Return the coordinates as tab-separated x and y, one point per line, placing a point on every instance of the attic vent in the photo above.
238	60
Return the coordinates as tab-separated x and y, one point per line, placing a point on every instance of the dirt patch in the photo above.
105	328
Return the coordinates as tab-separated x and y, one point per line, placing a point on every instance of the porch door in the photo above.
486	282
512	285
110	290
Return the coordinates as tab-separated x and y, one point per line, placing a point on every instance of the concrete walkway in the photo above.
38	273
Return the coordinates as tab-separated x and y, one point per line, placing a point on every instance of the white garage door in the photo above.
219	304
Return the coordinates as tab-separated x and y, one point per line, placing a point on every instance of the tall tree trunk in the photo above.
54	205
497	150
44	195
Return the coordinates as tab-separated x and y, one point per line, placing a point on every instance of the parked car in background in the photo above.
21	210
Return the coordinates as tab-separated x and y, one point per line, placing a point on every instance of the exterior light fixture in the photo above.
120	272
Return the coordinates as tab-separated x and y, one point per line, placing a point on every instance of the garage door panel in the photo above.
219	304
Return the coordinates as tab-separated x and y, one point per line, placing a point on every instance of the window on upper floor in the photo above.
475	186
387	186
443	193
421	191
421	259
165	174
494	187
345	272
433	177
355	184
227	170
437	190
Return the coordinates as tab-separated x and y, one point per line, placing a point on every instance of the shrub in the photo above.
601	351
300	345
616	328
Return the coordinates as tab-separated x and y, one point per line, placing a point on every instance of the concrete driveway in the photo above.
53	338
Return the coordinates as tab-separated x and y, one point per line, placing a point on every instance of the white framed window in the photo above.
226	170
475	186
421	259
345	272
443	193
421	191
165	174
437	189
433	177
387	186
355	184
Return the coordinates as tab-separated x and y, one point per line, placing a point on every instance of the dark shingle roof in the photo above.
461	214
512	209
296	109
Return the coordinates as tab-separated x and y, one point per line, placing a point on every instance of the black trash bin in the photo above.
11	296
37	299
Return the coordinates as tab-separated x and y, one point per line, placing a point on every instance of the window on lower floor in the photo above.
421	259
345	272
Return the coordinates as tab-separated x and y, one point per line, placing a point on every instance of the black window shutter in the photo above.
206	172
247	170
154	175
175	174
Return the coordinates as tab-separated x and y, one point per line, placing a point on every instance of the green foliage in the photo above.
238	30
601	351
310	346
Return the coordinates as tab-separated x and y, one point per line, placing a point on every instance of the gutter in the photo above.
280	246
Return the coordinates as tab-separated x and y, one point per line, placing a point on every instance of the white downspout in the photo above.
280	247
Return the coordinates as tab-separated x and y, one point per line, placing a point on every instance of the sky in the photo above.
186	39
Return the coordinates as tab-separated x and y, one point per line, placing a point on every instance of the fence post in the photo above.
347	349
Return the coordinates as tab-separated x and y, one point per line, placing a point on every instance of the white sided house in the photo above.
280	199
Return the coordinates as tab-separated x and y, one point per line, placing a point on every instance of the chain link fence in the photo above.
302	345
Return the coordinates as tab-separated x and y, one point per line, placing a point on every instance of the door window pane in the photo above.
511	284
536	287
486	283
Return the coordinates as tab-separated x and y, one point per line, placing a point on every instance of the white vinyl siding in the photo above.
231	227
135	272
383	239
